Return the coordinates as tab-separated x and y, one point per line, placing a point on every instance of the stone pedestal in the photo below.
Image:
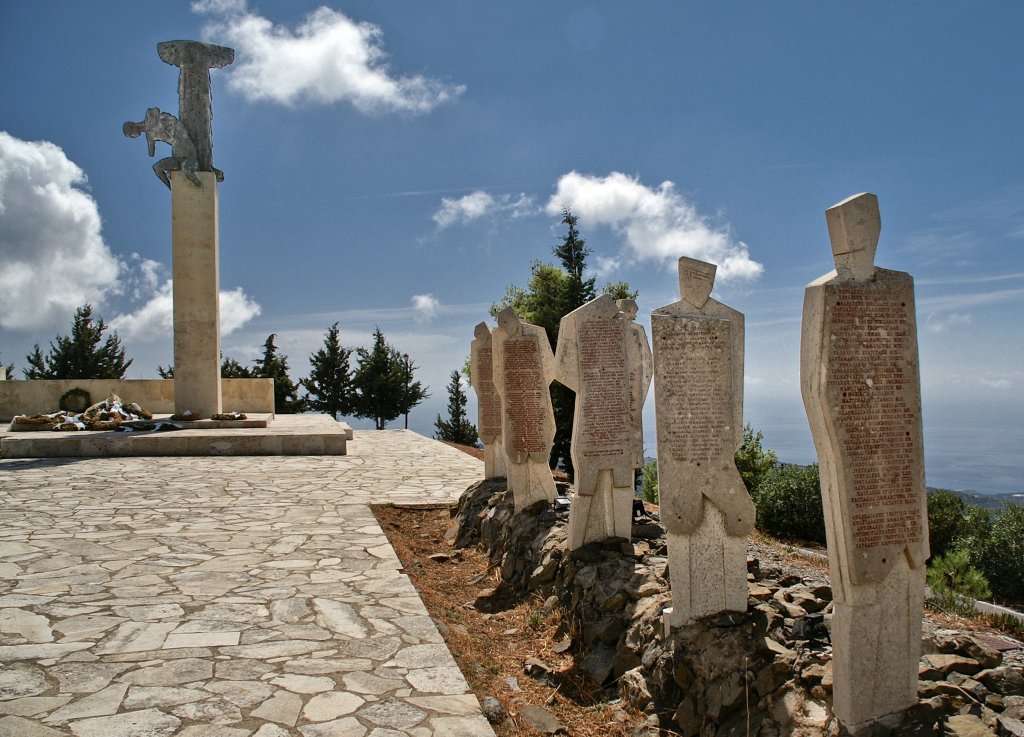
488	401
861	390
698	391
604	357
196	294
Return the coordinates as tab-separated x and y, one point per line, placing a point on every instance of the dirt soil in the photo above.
492	633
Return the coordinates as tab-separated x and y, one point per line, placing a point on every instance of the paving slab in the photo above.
230	595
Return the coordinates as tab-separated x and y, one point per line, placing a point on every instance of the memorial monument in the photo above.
488	402
604	357
192	179
698	394
860	385
524	368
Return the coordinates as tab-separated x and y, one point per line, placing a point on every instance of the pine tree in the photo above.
457	428
275	366
229	369
552	293
82	355
384	383
232	369
10	370
329	385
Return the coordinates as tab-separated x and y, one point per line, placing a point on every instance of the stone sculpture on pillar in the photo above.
698	393
861	389
192	179
604	357
524	368
488	401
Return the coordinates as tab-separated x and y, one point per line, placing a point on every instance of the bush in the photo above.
752	461
953	573
788	503
999	554
952	522
649	488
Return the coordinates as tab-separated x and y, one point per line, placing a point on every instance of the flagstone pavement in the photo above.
224	597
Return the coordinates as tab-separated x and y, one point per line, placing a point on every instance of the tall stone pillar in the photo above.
488	401
195	269
604	357
860	385
698	395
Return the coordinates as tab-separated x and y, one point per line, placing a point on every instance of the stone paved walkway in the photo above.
223	597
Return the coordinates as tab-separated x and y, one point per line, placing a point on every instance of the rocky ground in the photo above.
571	643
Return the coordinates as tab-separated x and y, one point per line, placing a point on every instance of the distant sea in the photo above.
962	452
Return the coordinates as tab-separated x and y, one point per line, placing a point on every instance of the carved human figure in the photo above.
604	357
190	135
160	126
861	389
698	392
195	59
487	400
524	367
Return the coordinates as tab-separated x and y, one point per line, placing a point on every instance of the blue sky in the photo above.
399	164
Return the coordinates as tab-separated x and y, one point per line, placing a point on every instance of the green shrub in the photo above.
752	461
953	573
999	554
952	522
649	488
788	503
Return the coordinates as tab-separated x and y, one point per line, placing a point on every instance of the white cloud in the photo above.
1002	380
236	309
425	306
327	58
478	204
658	224
941	323
52	255
155	319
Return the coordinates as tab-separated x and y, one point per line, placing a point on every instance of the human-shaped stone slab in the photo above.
604	357
861	390
524	368
488	401
698	394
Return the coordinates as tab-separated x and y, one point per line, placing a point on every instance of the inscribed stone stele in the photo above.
524	367
604	357
488	401
861	390
698	390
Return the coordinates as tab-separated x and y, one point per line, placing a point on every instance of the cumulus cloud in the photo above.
327	58
657	223
155	319
478	204
53	258
425	307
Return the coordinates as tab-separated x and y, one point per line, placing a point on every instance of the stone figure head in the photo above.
186	53
853	228
509	321
696	279
603	307
628	309
482	330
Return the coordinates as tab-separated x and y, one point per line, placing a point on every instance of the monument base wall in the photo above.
153	395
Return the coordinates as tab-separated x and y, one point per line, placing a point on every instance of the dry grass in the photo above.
492	641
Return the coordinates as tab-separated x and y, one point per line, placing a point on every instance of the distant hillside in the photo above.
985	501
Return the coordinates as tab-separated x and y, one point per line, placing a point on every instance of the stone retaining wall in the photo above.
153	395
764	672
